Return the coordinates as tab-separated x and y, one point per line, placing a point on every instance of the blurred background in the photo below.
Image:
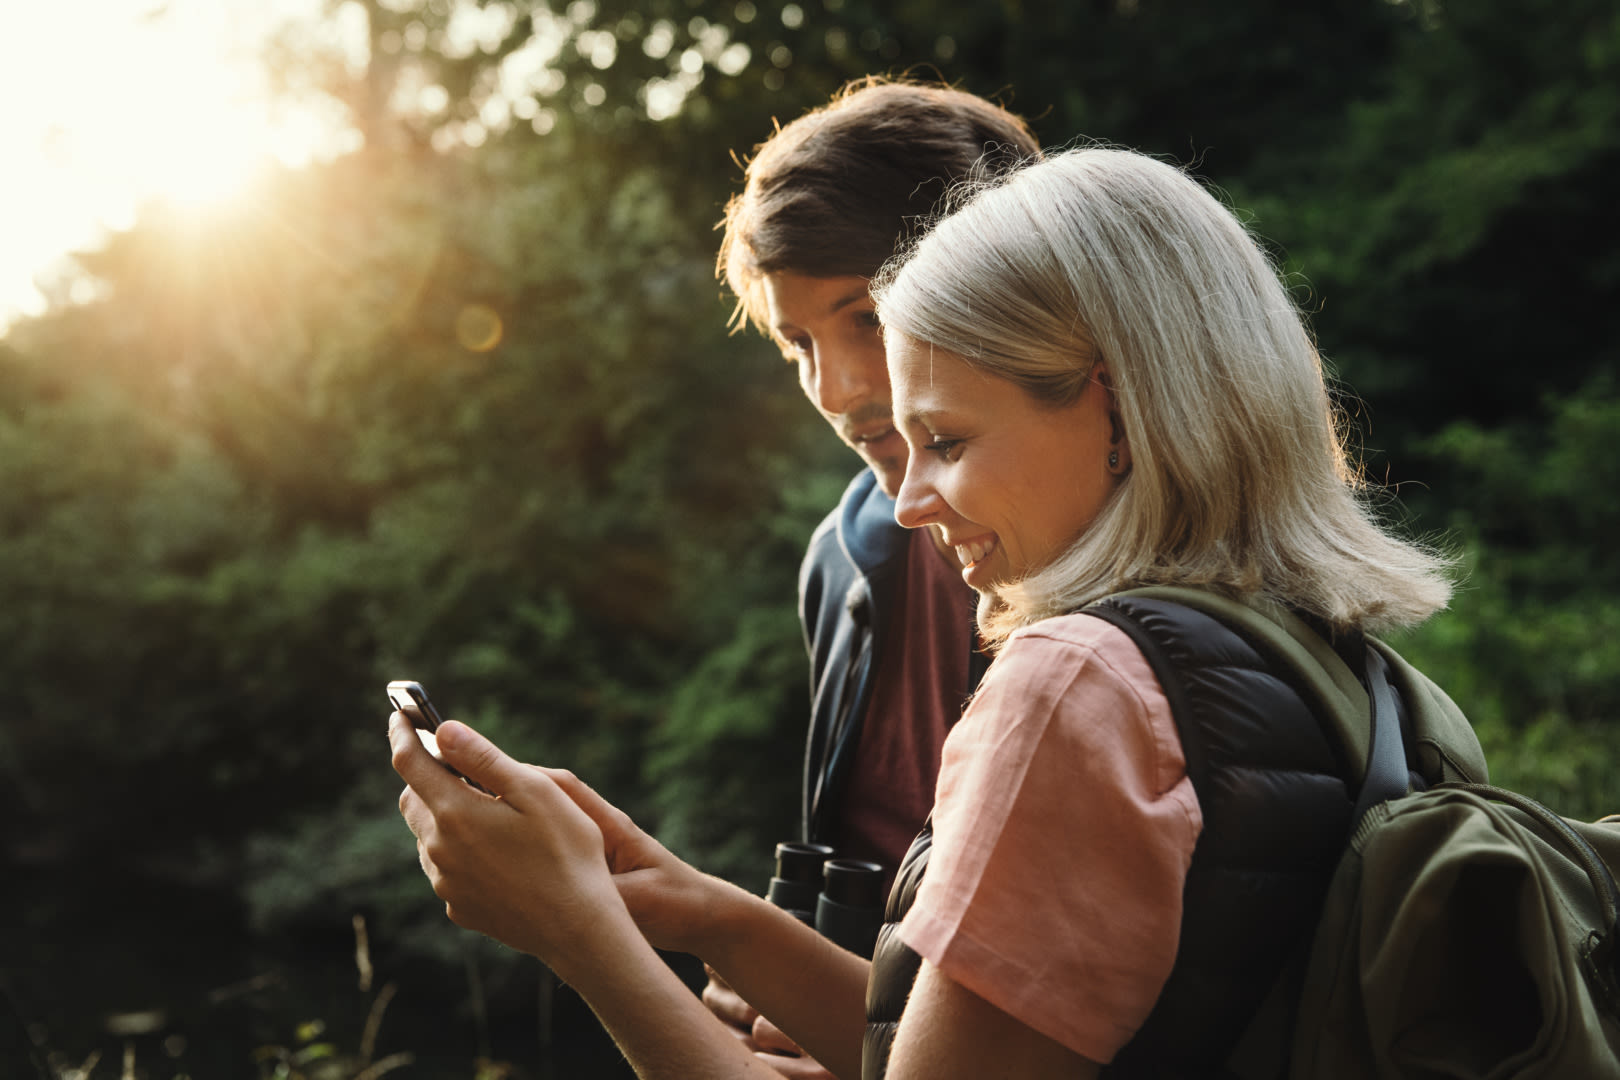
353	341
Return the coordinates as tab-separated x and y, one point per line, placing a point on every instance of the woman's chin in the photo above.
990	604
982	577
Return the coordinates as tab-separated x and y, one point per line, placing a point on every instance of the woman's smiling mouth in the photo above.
971	552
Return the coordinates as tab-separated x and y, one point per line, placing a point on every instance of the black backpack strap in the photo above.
1175	691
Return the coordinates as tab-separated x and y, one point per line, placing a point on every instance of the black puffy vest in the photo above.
1276	810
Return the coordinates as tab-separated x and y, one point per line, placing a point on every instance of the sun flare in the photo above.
149	103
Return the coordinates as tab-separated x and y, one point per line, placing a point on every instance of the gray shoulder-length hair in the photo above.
1239	481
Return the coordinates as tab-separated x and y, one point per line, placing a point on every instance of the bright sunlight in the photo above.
116	103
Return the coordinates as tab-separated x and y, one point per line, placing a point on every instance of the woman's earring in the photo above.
1113	460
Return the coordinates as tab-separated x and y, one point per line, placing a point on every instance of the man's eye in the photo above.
868	319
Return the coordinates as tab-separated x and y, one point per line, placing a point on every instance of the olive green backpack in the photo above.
1469	933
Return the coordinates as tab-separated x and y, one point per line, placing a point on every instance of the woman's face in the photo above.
1010	482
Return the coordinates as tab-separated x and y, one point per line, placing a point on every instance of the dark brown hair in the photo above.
835	191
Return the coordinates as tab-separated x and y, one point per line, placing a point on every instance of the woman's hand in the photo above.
542	863
672	902
548	866
527	867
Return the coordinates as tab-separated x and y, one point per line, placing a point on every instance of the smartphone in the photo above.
409	698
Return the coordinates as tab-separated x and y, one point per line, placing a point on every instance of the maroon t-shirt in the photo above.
918	692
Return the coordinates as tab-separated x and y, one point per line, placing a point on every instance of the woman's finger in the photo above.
609	818
524	788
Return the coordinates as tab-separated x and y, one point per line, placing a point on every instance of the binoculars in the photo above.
841	898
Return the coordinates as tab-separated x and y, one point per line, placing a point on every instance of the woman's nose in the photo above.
917	503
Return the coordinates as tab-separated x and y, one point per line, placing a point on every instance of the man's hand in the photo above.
729	1006
767	1041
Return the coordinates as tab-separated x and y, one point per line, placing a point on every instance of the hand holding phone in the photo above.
409	698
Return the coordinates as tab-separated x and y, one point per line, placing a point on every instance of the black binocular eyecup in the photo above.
798	878
853	882
841	898
849	910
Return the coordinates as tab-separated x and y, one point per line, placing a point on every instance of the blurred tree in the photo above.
456	420
1452	230
1532	644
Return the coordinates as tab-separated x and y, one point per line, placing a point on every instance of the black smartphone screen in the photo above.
410	699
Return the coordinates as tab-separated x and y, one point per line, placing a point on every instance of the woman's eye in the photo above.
949	449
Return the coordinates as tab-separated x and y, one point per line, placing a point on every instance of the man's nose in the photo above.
840	382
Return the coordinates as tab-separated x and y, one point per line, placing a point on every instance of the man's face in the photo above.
828	327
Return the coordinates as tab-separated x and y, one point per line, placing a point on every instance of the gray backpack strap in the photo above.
1387	775
1443	744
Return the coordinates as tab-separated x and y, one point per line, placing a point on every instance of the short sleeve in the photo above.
1064	825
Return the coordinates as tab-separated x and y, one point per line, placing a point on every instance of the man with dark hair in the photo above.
887	618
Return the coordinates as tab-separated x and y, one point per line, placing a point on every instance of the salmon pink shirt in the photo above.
1064	825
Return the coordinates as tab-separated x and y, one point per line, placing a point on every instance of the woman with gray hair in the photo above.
1103	386
1112	270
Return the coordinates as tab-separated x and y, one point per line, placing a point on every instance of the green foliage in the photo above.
1447	222
1531	645
491	434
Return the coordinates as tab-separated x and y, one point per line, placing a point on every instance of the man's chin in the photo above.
890	472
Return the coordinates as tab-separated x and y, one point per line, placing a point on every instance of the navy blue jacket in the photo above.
847	587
